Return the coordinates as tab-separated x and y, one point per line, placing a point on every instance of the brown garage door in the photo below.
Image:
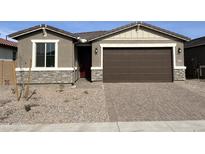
137	65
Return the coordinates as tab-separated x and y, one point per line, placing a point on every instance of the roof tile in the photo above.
8	43
90	35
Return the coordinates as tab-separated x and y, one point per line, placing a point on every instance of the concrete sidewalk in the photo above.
153	126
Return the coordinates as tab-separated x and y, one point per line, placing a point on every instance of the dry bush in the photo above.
32	93
28	107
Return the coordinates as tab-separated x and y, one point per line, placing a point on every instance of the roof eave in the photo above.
14	35
140	24
62	33
175	36
192	46
10	46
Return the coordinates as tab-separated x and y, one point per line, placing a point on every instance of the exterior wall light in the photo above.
96	51
179	50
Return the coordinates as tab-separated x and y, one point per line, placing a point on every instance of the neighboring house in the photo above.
195	58
8	49
137	52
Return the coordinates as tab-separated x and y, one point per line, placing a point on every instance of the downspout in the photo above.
73	65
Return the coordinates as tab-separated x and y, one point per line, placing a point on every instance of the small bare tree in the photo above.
22	74
24	91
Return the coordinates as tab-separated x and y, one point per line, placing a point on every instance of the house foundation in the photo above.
179	75
46	77
96	75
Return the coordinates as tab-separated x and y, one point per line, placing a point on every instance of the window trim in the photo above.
34	53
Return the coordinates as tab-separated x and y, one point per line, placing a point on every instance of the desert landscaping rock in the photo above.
49	105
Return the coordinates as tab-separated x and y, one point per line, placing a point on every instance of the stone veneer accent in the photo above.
179	75
46	76
96	75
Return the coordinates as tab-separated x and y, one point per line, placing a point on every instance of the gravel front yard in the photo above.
49	105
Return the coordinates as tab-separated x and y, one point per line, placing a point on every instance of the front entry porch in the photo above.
84	61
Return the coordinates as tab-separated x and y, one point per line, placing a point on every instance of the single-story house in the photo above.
8	49
194	56
137	52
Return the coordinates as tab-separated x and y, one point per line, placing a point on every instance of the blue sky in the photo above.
192	29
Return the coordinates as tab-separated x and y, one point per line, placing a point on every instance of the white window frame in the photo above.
48	69
172	45
34	54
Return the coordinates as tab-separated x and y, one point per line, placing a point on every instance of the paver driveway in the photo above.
155	101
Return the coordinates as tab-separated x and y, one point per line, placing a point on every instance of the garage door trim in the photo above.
152	45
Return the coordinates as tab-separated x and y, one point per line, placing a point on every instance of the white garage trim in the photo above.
180	67
96	68
172	45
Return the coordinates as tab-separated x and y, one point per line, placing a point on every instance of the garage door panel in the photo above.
140	62
134	58
130	54
138	78
137	65
118	58
140	49
138	70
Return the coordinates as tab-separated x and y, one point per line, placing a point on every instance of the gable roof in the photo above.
8	43
90	35
41	27
95	35
195	42
141	24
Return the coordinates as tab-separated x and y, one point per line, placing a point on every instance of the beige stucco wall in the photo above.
65	48
137	34
142	37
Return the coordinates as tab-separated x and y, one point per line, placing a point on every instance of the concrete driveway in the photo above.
155	101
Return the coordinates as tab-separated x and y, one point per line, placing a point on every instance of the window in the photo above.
45	54
40	54
50	55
